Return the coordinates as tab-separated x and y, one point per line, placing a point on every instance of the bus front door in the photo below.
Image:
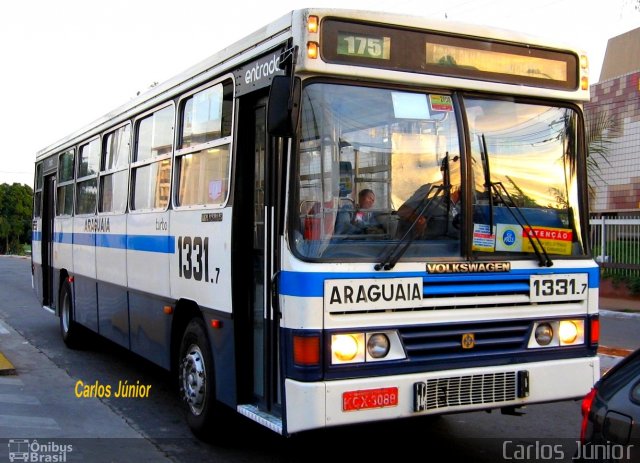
254	204
48	213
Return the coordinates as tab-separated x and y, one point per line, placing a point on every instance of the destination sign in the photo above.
446	54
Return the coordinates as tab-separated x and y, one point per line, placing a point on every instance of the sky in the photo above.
65	63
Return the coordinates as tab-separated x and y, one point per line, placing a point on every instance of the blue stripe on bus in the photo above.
311	284
36	236
150	243
146	243
111	241
84	239
65	238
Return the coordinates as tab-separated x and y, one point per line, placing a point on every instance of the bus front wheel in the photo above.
196	379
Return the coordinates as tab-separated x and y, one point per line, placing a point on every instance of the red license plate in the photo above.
370	398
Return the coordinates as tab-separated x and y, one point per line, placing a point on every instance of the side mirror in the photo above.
283	107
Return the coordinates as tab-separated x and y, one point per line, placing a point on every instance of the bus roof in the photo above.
267	38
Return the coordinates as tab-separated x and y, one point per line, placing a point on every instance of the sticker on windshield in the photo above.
441	103
513	238
554	240
508	237
483	238
410	105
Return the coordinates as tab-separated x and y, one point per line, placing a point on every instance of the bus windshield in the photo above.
381	168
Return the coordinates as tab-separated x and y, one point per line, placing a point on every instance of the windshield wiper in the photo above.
396	251
497	187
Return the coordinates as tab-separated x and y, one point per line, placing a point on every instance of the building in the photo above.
616	185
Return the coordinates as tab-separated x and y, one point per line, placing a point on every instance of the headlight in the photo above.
555	333
378	345
347	348
571	332
544	334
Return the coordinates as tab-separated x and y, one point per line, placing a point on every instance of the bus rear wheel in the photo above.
196	380
70	330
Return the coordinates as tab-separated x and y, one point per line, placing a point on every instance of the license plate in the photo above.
569	287
370	398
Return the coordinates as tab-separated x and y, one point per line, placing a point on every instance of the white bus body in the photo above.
179	227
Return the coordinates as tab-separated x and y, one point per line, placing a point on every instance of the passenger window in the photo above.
203	161
87	184
37	197
151	168
64	193
114	176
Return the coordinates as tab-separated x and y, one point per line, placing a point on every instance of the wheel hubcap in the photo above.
193	379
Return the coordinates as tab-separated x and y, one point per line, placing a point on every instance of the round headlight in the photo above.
344	346
568	332
544	334
378	345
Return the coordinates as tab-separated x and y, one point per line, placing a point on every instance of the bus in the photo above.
346	217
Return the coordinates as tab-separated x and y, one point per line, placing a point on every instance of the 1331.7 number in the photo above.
193	259
559	287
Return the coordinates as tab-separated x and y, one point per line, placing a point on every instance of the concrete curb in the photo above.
618	314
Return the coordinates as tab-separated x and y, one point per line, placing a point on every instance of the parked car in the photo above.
610	430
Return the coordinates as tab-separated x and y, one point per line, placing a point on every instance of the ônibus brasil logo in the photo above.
34	451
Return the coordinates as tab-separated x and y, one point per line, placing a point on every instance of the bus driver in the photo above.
362	220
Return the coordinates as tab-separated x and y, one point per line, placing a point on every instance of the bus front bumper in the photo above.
341	402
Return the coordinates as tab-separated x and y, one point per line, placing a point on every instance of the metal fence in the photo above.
615	242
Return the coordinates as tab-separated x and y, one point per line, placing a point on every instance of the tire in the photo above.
71	332
196	381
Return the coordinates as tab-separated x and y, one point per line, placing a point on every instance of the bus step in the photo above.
265	419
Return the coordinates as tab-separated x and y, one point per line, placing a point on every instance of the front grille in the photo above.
441	342
468	390
476	286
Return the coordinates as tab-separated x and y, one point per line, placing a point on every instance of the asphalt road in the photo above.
40	403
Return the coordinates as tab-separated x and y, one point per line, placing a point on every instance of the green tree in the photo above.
15	216
601	131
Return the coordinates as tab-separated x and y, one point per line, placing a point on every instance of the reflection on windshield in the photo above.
367	159
371	160
529	153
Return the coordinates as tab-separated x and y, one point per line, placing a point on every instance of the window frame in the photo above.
134	164
194	148
71	182
80	180
38	182
104	172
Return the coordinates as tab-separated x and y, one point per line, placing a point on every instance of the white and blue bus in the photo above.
345	217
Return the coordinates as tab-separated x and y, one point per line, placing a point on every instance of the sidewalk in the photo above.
620	304
52	421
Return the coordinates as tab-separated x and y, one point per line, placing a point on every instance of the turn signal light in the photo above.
306	350
584	83
312	50
595	331
584	62
312	24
